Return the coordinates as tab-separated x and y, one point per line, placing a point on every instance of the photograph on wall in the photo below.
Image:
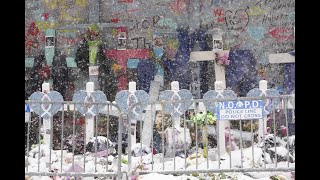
217	44
122	35
49	41
122	44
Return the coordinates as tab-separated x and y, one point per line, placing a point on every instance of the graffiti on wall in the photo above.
264	26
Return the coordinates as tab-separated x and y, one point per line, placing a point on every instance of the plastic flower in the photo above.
223	59
201	117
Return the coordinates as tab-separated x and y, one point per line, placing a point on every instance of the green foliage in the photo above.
124	161
195	174
200	118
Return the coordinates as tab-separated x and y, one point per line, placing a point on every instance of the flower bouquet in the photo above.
93	37
222	58
118	70
203	119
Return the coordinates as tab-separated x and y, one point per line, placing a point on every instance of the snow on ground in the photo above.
247	159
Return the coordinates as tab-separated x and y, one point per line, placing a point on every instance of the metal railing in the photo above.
60	171
220	165
264	157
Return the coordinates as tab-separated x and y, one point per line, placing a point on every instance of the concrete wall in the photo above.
264	26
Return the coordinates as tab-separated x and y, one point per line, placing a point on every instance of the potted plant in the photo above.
202	119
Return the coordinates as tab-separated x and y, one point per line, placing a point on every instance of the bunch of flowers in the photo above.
222	58
118	70
200	119
92	33
32	37
93	37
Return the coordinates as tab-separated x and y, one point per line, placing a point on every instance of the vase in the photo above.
93	50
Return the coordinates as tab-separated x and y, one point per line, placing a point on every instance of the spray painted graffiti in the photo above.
179	6
145	23
256	32
271	18
236	21
65	10
256	11
281	33
219	14
283	5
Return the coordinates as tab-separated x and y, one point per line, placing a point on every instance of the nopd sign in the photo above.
236	110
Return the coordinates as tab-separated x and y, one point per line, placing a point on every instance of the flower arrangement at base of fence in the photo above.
246	125
203	119
222	58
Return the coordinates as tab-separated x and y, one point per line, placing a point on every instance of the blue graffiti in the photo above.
291	15
256	33
216	2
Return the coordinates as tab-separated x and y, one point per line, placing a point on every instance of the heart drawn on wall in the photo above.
236	21
46	110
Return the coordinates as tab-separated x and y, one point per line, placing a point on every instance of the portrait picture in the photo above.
217	44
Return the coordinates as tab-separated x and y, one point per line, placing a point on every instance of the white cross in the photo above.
133	124
220	78
89	121
150	113
281	58
210	56
46	122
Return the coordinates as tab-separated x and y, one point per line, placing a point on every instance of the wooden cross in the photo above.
281	58
220	77
210	56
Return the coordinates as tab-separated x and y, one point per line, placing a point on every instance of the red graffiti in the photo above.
125	1
67	40
127	11
219	13
45	16
32	37
115	20
281	34
179	6
220	19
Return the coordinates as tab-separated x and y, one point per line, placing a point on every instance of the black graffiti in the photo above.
289	24
145	23
266	3
284	5
136	25
226	1
141	40
209	25
271	18
237	21
282	47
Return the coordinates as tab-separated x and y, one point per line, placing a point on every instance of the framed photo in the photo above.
122	35
94	70
217	44
49	41
122	44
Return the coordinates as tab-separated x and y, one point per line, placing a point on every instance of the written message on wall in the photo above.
263	26
240	110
